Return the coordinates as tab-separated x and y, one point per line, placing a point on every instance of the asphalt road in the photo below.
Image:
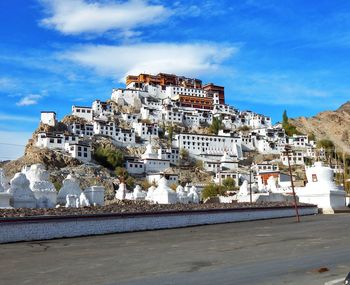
263	252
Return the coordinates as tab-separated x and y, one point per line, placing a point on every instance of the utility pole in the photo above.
287	151
344	169
250	185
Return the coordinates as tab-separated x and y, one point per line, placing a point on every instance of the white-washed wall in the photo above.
41	229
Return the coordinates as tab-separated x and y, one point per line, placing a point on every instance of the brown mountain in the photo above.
332	125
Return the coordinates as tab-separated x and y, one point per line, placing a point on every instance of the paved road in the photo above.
263	252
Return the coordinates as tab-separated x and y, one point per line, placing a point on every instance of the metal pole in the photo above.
250	185
344	173
292	183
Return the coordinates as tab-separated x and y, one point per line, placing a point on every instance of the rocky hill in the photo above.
332	125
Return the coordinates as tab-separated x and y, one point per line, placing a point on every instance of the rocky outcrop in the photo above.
332	125
33	155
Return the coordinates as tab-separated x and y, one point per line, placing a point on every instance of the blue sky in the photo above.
270	55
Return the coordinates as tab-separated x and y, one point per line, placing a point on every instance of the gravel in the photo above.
117	206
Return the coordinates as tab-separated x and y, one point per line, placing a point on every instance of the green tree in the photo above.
130	182
184	155
121	173
328	146
215	126
288	127
312	137
212	190
108	157
199	164
229	184
170	130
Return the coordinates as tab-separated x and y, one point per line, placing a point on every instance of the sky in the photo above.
270	55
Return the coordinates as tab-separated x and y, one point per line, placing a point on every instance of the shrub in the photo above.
108	157
229	184
212	190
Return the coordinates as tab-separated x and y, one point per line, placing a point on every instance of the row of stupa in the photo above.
320	190
31	188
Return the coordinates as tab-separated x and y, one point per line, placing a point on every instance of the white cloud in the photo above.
280	89
6	117
28	100
119	61
73	17
7	84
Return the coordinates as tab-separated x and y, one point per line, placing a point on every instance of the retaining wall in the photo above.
49	227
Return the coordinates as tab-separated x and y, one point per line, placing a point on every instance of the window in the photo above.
79	153
52	140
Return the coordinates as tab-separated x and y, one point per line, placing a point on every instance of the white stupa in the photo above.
164	194
149	196
321	189
21	194
3	181
44	191
138	193
95	195
182	196
70	187
272	184
120	194
149	153
4	198
193	196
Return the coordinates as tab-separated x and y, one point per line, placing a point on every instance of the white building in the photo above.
48	118
298	141
150	162
173	91
68	143
81	151
296	158
51	141
131	118
197	144
110	129
99	107
154	178
146	131
81	129
222	175
265	167
82	112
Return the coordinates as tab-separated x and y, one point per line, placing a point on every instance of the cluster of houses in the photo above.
142	112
